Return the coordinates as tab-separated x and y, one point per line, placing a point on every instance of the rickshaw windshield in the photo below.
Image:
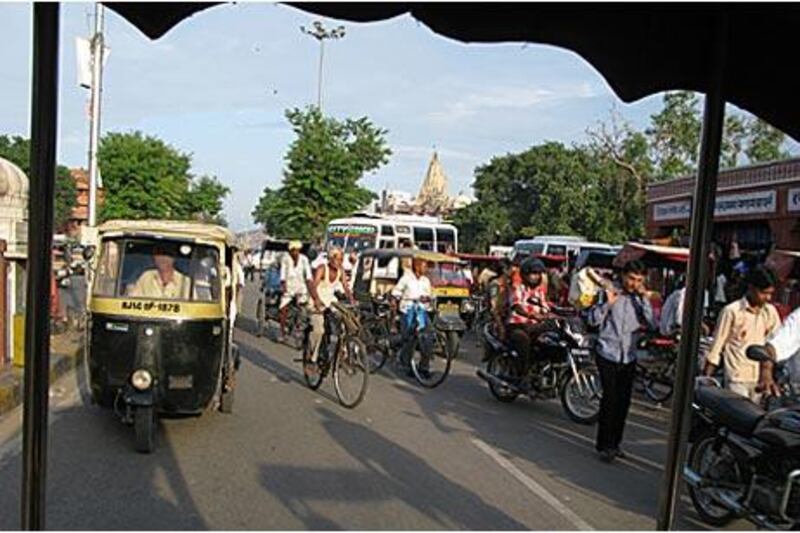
447	275
160	270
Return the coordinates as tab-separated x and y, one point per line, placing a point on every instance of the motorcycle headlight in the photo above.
141	380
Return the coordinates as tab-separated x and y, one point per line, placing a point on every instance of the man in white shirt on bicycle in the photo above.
295	276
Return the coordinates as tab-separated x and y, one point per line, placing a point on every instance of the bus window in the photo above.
556	249
423	238
387	244
445	240
387	231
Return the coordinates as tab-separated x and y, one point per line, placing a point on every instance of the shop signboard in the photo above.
672	210
793	200
748	203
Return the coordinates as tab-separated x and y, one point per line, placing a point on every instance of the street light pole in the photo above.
94	128
320	34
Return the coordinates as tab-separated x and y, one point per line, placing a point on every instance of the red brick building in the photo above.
80	213
759	204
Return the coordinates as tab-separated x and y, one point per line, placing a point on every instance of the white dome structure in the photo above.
14	190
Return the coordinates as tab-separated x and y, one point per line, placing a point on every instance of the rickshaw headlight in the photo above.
467	306
141	380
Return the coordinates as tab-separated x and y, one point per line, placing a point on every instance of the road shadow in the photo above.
95	479
285	372
538	432
384	474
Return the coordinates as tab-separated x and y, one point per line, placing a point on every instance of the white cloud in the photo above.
510	97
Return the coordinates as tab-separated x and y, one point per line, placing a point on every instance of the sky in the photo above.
217	86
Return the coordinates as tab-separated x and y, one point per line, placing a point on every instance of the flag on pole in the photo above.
83	53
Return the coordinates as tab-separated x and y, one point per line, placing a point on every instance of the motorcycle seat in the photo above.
736	412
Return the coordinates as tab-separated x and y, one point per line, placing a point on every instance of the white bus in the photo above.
558	245
364	231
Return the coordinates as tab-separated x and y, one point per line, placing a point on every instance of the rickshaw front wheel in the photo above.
226	401
144	422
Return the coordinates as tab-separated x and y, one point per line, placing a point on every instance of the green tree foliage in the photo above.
323	167
765	142
675	134
207	194
17	150
599	189
144	177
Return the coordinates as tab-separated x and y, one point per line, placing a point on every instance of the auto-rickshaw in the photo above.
161	311
378	271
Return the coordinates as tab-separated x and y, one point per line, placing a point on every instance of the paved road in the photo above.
291	458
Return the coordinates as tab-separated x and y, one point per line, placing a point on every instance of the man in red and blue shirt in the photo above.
528	308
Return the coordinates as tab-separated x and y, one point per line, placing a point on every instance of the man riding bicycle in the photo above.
414	293
329	280
295	277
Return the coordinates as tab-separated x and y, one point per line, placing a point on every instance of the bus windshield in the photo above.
533	248
352	237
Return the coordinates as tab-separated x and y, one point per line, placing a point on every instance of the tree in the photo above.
675	134
765	142
323	167
207	194
734	134
144	177
17	150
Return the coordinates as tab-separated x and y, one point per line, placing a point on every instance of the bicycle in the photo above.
383	344
342	353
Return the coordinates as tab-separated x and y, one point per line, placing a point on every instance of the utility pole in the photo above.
94	124
320	34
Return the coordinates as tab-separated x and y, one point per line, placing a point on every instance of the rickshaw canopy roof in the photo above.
653	256
784	263
171	228
434	257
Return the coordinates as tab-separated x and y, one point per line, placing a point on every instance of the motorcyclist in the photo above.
529	308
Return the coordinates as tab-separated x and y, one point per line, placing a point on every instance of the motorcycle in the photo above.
744	459
562	367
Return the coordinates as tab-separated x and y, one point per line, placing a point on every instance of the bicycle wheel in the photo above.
438	366
315	380
350	372
658	385
375	335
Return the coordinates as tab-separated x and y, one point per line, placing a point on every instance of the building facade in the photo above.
757	206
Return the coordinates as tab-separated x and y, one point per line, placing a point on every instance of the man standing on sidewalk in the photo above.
620	318
748	320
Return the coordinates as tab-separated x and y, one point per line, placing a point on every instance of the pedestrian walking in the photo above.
621	317
746	321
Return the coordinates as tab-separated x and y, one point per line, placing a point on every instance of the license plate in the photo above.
449	308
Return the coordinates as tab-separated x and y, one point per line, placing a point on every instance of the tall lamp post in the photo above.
320	33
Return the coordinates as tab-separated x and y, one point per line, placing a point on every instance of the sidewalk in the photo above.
65	354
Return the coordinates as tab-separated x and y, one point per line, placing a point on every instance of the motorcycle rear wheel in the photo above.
501	366
724	467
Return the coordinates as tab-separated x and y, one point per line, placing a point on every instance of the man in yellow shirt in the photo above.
749	320
162	282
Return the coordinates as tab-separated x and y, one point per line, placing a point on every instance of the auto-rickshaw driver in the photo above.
164	281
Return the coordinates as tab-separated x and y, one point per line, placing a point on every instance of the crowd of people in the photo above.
522	292
619	311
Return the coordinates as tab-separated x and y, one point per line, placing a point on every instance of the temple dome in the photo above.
13	182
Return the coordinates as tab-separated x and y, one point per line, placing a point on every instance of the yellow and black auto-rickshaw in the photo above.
161	310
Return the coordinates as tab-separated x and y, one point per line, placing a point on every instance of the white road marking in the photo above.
631	456
537	489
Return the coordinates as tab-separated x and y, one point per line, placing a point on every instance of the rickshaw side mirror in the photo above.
88	252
